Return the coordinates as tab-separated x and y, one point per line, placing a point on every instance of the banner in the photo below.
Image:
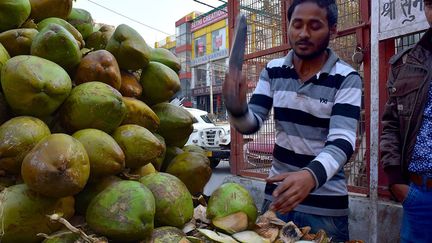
209	19
401	17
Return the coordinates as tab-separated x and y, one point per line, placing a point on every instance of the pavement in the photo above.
219	174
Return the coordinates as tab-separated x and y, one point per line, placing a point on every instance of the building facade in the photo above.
209	60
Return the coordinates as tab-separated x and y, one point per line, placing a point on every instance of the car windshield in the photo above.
206	119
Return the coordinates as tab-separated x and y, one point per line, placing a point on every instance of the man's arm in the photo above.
390	145
256	112
296	186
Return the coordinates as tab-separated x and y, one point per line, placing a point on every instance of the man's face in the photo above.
308	31
428	11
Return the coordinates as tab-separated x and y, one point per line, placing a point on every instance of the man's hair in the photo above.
329	5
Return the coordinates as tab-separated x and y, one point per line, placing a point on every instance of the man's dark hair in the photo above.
329	5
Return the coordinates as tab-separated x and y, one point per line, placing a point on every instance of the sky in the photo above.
159	14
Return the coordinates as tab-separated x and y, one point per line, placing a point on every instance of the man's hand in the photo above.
400	191
293	189
234	91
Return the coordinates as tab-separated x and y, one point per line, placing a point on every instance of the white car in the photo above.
213	138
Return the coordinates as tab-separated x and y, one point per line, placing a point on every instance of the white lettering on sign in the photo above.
209	19
214	56
401	17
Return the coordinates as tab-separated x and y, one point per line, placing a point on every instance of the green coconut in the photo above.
159	82
57	44
167	234
130	86
82	20
41	9
170	154
193	148
5	113
93	105
91	190
193	169
123	212
13	13
24	214
4	57
157	163
53	20
166	57
99	39
18	41
105	155
57	166
175	123
174	205
99	65
145	170
232	198
34	86
140	114
139	145
17	137
129	48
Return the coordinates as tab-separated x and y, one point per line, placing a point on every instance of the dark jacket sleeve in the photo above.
390	144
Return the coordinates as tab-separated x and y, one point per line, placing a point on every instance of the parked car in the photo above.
215	139
258	152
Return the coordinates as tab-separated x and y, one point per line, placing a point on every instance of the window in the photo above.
183	35
201	76
200	46
219	39
407	41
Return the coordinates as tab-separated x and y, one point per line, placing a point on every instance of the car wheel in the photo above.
214	163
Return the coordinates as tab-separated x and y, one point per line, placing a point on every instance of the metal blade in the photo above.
238	44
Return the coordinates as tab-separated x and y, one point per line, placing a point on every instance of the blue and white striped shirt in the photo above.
315	123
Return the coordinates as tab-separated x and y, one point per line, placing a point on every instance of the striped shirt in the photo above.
315	124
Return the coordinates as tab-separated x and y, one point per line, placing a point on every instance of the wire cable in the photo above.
131	19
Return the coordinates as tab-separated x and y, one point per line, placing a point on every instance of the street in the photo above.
218	176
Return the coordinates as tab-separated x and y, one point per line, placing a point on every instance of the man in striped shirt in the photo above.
316	100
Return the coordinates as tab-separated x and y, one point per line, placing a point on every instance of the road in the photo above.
218	176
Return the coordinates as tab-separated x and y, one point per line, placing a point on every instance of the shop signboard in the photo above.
211	57
217	89
209	19
401	17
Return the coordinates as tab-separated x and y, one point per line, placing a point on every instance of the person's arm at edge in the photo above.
390	146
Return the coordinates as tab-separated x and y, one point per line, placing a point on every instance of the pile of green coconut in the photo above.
91	150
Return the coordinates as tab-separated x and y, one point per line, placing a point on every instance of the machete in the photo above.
238	44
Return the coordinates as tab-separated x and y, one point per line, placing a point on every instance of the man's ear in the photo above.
333	31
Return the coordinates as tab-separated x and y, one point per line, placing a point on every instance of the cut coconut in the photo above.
200	214
232	223
290	233
184	240
216	236
269	218
193	239
269	232
250	237
189	227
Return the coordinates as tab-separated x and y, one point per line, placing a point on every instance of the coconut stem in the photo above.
88	239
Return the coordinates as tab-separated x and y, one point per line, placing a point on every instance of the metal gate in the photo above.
267	39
